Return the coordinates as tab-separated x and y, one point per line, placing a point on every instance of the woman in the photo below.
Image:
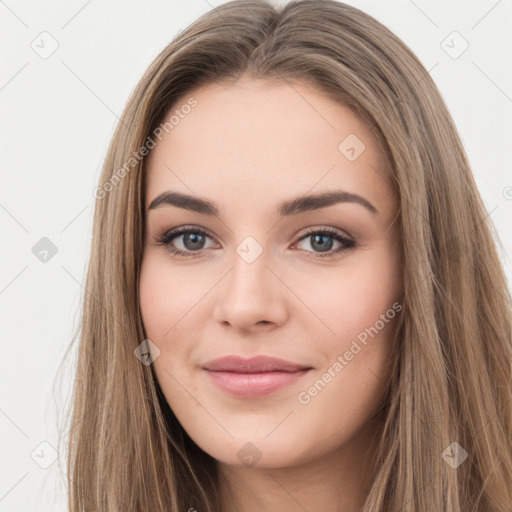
294	300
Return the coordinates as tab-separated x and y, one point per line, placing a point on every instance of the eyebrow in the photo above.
286	208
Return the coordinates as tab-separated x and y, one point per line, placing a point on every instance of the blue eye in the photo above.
323	241
194	239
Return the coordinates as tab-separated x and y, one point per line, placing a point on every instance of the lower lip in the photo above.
251	385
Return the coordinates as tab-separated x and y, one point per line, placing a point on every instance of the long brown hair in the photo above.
452	378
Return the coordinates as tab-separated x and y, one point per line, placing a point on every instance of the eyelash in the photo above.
169	236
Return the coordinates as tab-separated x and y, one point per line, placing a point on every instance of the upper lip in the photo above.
258	364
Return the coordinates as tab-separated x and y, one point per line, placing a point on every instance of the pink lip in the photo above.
254	377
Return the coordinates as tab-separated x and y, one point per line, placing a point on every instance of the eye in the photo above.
193	239
193	242
322	240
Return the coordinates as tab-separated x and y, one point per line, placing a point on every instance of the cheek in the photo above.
348	387
174	308
360	308
166	302
157	306
166	297
358	299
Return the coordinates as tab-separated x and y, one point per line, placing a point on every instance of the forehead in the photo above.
254	142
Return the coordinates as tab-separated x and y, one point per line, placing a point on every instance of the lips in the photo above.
254	377
258	364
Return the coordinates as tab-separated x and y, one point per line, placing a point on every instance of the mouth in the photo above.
254	377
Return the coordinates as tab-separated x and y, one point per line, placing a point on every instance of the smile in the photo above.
253	377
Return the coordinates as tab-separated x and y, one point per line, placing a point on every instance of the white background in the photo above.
57	117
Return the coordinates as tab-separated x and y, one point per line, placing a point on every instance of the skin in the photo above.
246	147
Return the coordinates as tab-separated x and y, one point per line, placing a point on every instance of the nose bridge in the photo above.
249	272
251	293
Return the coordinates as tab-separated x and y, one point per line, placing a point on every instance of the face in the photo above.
314	283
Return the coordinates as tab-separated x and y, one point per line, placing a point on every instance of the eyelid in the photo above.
328	229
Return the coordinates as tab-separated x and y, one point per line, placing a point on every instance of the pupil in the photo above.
196	241
323	246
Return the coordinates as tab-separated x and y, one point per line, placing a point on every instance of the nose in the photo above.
251	296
